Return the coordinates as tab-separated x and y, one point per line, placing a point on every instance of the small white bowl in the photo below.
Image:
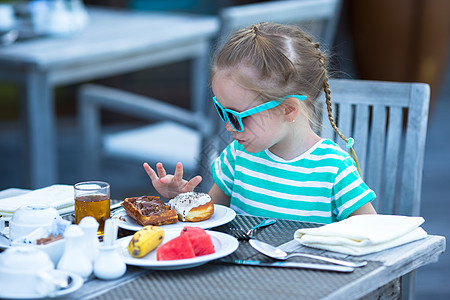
54	249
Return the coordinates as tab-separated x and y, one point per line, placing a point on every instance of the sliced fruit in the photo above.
177	248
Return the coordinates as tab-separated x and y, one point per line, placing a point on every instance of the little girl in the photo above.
266	80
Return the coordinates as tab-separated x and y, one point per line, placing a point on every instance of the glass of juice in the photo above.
92	198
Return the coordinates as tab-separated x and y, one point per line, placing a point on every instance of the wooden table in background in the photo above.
115	42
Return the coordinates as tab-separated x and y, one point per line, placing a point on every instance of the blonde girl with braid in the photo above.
267	79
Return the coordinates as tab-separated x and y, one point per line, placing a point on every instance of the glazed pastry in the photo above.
149	210
192	206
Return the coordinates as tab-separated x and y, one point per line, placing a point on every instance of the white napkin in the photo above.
363	234
59	196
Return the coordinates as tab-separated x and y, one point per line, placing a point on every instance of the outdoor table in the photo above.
116	41
220	280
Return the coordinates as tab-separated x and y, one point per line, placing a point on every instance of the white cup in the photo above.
28	218
26	273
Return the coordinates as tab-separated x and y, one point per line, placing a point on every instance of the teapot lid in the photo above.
22	258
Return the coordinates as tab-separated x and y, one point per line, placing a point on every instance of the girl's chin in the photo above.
251	149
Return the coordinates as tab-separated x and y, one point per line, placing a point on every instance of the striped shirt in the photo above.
321	185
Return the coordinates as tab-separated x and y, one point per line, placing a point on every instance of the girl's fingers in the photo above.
179	172
194	182
160	169
150	172
173	181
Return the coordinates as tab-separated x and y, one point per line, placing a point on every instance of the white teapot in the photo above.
26	273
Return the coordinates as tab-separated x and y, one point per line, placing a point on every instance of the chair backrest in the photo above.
317	17
388	122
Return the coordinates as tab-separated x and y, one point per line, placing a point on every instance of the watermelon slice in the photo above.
200	240
190	230
177	248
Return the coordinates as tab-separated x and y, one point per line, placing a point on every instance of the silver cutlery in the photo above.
241	234
277	253
116	205
284	264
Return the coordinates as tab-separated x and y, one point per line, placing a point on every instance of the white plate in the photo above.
77	282
222	215
224	245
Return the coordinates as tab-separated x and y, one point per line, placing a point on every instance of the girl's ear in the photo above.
291	109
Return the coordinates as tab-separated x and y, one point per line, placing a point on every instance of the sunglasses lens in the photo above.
220	112
234	121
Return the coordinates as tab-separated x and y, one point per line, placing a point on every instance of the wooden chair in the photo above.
172	133
317	17
388	122
178	136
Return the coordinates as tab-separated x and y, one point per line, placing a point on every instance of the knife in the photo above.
116	205
283	264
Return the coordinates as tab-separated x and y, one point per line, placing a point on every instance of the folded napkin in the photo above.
59	196
363	234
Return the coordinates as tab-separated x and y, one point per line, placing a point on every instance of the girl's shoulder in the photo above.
333	154
328	147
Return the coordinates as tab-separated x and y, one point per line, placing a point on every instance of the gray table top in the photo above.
217	280
116	41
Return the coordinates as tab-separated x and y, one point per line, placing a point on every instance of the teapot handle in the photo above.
45	284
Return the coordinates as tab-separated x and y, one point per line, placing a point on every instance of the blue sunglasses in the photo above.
235	118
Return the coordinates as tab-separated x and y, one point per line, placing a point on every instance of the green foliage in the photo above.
9	95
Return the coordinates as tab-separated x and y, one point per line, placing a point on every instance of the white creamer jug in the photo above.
109	263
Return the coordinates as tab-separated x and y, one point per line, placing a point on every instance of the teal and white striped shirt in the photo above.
322	185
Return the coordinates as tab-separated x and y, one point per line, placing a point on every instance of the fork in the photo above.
242	235
239	233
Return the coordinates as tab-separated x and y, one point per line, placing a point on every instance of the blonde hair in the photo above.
287	62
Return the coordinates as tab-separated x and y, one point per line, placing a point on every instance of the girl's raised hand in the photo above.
171	185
